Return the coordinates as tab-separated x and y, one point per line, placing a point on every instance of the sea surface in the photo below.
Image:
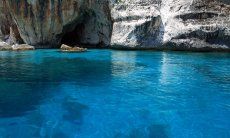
114	94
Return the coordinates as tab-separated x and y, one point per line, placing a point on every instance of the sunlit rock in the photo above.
4	46
22	47
196	25
137	24
66	48
127	24
171	24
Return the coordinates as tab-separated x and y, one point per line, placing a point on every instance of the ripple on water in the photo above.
106	93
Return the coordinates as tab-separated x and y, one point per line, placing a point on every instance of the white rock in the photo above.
18	47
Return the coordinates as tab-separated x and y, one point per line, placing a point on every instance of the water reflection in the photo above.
123	63
24	83
165	70
104	93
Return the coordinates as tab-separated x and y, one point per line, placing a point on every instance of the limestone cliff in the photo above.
171	24
8	29
196	24
137	24
201	25
43	23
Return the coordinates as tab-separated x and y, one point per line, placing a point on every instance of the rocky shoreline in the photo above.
197	25
16	47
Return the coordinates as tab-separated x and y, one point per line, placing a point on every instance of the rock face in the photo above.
4	46
199	25
45	23
66	48
172	24
22	47
137	24
196	24
8	29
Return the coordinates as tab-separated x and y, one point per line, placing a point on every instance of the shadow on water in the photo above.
56	70
17	99
25	84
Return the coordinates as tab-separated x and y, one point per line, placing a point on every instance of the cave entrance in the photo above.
73	38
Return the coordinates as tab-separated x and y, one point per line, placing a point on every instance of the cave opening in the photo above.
87	31
73	38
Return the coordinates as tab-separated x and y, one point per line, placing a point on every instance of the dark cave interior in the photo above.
73	37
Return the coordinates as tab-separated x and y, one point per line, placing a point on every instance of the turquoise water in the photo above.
114	94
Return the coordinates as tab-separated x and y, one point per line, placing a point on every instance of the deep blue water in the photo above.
114	94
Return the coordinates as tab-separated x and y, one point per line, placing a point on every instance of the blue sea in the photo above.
114	94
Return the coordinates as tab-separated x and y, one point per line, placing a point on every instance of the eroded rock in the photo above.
22	47
8	28
135	24
44	23
4	46
66	48
201	24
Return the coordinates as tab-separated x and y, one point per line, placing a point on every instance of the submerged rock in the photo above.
66	48
22	47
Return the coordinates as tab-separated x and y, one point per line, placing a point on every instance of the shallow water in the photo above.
114	94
